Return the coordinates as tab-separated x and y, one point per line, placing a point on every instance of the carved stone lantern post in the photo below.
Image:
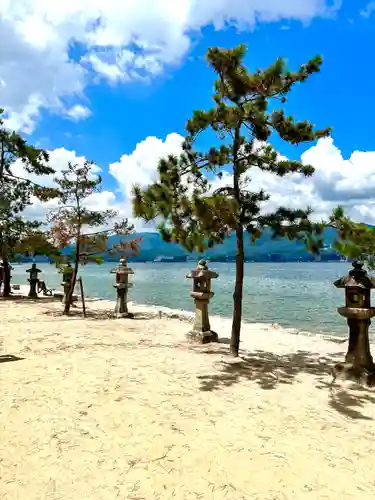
358	311
122	285
68	272
202	294
33	280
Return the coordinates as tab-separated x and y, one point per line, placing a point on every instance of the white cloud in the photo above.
119	41
77	112
368	10
140	166
350	182
107	70
58	159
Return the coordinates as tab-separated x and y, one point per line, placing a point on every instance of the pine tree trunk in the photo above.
238	294
7	287
240	255
69	298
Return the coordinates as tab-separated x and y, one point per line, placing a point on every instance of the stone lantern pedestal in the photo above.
202	294
122	286
67	280
33	280
358	311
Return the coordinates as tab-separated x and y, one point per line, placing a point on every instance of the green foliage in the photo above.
355	240
16	193
35	242
13	147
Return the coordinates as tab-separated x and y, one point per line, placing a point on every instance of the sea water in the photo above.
295	295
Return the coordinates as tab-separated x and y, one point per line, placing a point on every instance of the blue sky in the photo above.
125	111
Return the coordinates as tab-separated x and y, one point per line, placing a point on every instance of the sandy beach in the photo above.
104	408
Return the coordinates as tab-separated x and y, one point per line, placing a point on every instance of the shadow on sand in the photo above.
9	358
24	298
269	370
348	403
97	314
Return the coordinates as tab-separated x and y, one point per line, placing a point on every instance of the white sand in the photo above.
105	409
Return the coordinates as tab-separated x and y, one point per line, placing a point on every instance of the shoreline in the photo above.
298	311
188	316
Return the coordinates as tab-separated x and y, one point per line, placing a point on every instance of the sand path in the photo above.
106	409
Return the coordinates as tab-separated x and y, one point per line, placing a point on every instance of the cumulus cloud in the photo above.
77	113
349	182
337	180
139	167
61	45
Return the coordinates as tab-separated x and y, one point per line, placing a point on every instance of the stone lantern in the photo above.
202	294
358	311
122	285
33	280
68	272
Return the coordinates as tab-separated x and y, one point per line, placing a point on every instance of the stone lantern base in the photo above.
359	365
32	292
201	332
121	308
202	337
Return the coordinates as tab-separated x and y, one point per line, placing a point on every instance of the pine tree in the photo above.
72	220
16	192
192	213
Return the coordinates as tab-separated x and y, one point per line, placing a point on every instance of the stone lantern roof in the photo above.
202	273
33	269
122	268
357	277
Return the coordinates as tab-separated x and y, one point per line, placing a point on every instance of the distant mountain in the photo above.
265	249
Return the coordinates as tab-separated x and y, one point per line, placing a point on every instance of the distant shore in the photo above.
220	321
224	260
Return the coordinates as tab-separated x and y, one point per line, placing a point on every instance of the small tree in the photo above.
71	221
355	240
16	192
198	217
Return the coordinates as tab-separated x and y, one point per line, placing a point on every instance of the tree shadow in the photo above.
25	298
97	314
348	403
9	358
267	369
214	348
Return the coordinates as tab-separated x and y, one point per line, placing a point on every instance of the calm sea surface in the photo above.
295	295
